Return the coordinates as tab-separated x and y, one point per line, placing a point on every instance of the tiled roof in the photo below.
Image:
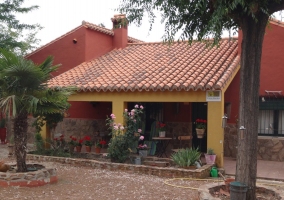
86	25
156	66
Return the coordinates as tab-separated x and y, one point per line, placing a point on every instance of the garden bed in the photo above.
37	175
100	162
215	191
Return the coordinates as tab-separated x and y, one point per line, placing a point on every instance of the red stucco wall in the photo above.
272	61
97	44
86	110
232	97
64	51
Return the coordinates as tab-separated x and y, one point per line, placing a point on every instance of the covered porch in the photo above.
179	111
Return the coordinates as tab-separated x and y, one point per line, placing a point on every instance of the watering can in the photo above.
214	172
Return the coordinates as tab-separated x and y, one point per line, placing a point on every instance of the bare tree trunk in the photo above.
253	34
20	135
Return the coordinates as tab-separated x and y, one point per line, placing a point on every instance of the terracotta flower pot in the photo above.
200	132
88	149
98	150
78	148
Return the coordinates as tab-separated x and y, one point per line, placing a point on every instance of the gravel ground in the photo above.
76	182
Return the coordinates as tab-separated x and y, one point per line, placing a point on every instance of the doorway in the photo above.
199	111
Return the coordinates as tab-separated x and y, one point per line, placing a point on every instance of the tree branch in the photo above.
275	6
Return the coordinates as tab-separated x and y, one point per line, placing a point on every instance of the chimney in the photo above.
120	24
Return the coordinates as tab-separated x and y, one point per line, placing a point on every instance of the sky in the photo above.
60	16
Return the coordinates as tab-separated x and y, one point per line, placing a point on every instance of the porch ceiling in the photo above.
156	67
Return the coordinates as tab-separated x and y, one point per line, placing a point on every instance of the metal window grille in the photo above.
271	115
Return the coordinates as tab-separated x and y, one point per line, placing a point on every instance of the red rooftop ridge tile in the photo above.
156	67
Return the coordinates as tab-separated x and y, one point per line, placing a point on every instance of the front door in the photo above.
199	111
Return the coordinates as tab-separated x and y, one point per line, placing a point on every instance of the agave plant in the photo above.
186	157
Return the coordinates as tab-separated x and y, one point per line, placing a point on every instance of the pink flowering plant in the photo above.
124	136
141	145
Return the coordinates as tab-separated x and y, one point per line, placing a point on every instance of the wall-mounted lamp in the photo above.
242	130
74	40
224	121
263	99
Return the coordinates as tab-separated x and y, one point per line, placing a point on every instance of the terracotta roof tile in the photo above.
156	66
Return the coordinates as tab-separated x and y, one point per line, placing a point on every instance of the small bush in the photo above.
118	149
210	151
124	137
39	143
186	157
57	147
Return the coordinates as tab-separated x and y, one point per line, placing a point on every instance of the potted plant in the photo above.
72	143
88	143
210	157
11	145
3	130
78	145
162	129
99	145
186	158
142	148
200	126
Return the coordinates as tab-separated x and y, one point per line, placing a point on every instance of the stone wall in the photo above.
68	127
81	127
28	179
166	172
92	127
269	148
230	141
175	129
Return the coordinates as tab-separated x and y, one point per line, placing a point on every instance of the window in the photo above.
271	116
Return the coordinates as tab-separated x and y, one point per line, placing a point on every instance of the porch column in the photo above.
215	135
118	107
45	133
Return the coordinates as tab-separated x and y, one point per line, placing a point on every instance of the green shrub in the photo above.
124	137
118	149
57	147
39	143
186	157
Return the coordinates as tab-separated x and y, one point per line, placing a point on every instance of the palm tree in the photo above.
24	91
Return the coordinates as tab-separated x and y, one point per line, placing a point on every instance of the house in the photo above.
177	84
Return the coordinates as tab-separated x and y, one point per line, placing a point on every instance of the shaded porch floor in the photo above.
272	170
